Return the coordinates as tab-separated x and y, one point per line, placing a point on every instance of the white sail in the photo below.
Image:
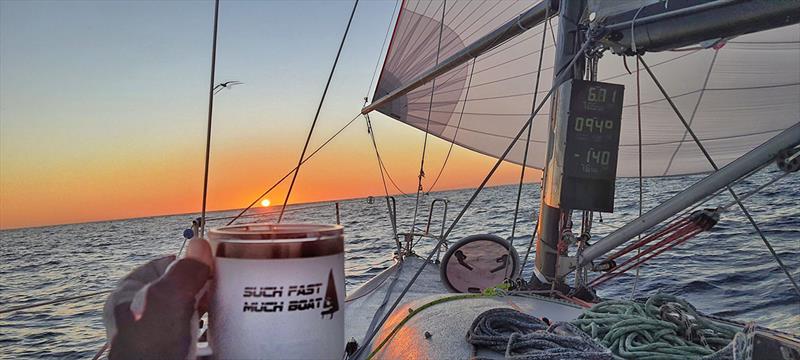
735	96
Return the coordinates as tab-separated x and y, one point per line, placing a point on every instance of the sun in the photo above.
265	202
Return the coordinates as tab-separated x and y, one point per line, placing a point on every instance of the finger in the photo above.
199	249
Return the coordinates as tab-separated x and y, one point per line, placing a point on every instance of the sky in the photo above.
103	109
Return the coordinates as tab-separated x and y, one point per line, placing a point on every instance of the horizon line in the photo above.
236	209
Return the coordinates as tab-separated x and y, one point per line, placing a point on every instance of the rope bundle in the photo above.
664	327
524	337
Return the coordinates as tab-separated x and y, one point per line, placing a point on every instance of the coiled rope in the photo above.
521	336
664	327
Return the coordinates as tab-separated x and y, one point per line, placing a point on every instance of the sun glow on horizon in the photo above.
265	202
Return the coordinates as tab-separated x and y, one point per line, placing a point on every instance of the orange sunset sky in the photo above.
102	109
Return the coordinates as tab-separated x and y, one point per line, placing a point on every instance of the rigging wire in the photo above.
319	108
530	127
382	166
458	126
641	187
389	176
714	165
758	189
210	115
272	212
469	202
530	245
427	125
391	214
241	213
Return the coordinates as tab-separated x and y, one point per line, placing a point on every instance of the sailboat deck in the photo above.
436	331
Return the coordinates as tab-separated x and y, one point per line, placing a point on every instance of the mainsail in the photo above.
736	93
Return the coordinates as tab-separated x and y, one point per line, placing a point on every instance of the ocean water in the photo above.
726	271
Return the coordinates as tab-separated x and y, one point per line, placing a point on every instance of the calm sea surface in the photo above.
727	271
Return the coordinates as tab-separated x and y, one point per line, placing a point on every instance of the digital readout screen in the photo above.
593	130
592	145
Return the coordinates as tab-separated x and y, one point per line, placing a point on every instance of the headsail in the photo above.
735	96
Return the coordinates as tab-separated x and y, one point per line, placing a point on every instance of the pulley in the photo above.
788	160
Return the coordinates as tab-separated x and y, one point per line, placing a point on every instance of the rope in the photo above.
664	327
475	194
210	116
319	108
521	336
714	165
676	234
530	127
427	124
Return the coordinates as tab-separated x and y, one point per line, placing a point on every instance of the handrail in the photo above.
430	215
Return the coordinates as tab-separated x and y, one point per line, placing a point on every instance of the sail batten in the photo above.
735	95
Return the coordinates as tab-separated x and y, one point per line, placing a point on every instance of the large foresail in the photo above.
498	102
735	94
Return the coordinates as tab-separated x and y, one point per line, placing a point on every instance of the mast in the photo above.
568	43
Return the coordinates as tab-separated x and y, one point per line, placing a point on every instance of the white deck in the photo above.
446	322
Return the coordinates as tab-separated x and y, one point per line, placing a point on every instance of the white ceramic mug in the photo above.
278	292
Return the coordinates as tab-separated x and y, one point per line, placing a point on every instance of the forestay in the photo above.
735	94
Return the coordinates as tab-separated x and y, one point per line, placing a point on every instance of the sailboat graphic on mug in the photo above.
331	302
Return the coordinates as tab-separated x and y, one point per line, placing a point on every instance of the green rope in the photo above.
665	327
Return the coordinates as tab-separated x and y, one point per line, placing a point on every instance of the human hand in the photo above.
153	312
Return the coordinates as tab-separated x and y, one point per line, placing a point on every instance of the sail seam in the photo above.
694	111
728	187
452	142
378	63
532	72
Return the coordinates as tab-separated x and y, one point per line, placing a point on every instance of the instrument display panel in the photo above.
592	145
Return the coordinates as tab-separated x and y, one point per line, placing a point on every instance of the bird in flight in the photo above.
226	85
